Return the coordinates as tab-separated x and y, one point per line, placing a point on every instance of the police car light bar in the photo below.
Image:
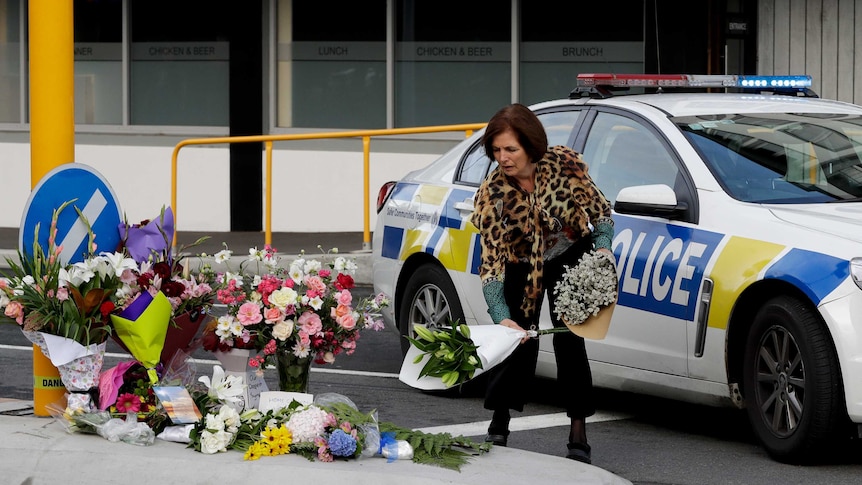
694	81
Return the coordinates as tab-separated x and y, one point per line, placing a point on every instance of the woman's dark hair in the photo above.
524	124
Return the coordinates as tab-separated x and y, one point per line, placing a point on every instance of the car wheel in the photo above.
792	383
430	300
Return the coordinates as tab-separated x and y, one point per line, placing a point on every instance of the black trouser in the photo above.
510	382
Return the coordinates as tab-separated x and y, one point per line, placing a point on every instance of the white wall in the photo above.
821	38
313	191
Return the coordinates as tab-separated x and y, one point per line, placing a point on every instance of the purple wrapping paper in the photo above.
137	307
141	242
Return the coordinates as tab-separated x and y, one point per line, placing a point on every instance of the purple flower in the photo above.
341	443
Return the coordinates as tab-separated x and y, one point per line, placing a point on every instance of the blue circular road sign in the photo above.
91	195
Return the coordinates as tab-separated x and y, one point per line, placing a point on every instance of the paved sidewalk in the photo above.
37	450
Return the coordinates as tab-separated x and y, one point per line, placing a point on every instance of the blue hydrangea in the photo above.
341	443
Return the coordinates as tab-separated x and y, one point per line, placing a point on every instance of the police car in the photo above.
738	217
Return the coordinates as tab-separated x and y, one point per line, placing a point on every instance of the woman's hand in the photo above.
508	322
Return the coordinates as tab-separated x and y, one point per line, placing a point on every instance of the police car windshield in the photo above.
789	158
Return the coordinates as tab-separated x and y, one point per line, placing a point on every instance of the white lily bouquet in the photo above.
586	295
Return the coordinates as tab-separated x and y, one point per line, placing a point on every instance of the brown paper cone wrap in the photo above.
595	327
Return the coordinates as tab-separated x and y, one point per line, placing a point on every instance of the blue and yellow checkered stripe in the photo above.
452	239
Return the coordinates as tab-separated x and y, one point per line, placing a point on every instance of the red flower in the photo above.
344	282
163	270
107	308
173	289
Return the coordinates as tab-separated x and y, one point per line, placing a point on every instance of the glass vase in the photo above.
293	372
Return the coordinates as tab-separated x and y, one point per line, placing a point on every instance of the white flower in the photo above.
80	273
212	443
117	263
300	350
255	254
214	422
307	424
233	276
282	330
229	388
316	302
222	256
312	266
296	274
227	327
586	288
230	418
283	297
344	265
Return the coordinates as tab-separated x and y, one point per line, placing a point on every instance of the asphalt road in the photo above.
645	440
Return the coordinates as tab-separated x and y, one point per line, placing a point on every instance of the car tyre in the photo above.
430	300
792	382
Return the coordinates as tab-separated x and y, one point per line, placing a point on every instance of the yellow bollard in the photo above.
48	388
52	135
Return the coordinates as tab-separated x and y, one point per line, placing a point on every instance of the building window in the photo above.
331	65
10	62
452	61
560	42
98	29
179	62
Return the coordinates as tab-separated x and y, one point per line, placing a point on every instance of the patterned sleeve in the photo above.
492	263
591	198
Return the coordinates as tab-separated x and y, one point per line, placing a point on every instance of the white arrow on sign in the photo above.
78	232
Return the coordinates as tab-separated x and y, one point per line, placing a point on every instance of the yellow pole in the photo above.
366	214
52	136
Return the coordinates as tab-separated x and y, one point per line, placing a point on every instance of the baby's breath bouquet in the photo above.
586	289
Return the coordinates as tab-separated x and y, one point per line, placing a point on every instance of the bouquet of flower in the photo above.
585	290
304	309
329	428
445	357
161	271
64	308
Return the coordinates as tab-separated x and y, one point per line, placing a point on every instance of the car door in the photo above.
655	256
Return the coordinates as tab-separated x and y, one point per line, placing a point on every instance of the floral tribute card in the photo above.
178	403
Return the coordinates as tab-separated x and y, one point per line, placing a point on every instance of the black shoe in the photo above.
579	452
497	439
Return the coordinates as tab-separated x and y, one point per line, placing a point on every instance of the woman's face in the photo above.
511	156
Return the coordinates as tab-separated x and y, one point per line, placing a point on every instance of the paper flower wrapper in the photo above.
79	367
142	327
153	237
494	342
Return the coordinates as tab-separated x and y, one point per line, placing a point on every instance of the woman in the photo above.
535	212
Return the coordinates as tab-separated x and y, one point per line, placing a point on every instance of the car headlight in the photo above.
856	271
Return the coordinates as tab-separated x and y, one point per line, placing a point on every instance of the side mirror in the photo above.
649	200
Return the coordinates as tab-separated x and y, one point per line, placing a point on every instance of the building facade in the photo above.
150	73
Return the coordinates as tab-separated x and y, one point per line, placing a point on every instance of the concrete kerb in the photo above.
39	451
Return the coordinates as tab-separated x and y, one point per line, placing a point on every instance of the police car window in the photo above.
781	157
475	167
559	127
621	152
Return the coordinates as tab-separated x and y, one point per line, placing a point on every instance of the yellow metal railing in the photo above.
268	140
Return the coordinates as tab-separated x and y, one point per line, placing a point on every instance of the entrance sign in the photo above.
92	195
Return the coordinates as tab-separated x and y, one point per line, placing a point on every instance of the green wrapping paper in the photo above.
142	327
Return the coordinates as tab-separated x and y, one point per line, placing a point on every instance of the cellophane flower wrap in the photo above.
586	288
305	308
